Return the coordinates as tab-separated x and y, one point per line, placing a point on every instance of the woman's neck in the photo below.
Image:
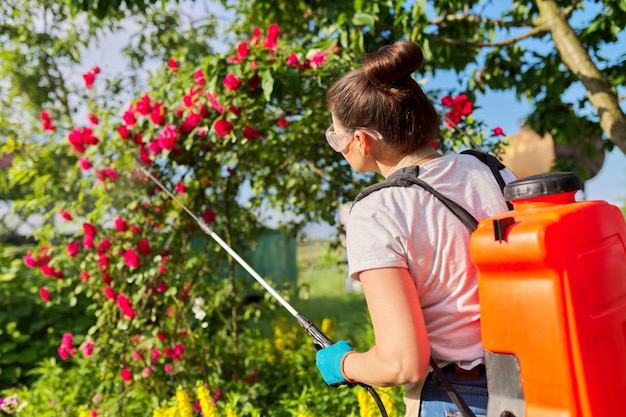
420	156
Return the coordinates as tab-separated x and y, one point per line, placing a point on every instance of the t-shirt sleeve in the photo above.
374	237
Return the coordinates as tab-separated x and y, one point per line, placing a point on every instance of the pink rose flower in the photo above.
223	127
131	259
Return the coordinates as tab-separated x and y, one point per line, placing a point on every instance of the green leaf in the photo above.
267	84
363	19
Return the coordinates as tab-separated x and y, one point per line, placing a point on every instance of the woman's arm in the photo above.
401	352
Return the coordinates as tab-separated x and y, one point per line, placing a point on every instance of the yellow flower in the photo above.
84	414
328	327
279	330
368	406
230	412
183	403
204	398
159	412
171	412
388	401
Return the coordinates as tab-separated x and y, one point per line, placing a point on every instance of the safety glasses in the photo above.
340	140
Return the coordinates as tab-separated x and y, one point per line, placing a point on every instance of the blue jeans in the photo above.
435	401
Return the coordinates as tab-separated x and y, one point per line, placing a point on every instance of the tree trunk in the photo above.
576	58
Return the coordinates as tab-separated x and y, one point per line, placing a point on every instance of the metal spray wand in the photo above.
320	340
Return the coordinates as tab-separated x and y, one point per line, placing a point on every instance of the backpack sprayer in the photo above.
320	340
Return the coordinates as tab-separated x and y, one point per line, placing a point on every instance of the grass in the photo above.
322	278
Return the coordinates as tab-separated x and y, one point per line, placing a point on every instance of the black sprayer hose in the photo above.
320	340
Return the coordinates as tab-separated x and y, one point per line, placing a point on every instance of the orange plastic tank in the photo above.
552	285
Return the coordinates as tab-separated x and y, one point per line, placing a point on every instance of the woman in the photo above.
409	251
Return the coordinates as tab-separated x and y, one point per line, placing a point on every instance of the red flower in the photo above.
223	127
144	105
124	132
66	349
104	246
109	292
208	216
89	78
129	117
126	375
292	60
84	164
93	119
84	276
143	247
463	105
254	81
318	59
231	82
65	215
235	110
180	188
89	229
87	242
46	122
157	115
447	101
242	49
161	336
272	34
72	249
173	65
282	122
44	294
131	259
305	65
88	348
29	261
81	137
161	286
168	137
124	304
251	133
121	225
199	77
498	131
52	272
103	262
256	36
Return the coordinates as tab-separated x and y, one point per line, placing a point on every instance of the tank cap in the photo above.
542	184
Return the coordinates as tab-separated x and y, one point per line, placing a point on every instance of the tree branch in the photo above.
537	30
576	58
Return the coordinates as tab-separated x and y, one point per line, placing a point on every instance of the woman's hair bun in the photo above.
391	63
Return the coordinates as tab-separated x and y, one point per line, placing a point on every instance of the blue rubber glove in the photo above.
328	361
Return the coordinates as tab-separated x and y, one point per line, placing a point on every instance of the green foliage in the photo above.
29	328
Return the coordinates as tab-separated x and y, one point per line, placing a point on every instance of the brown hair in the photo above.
381	95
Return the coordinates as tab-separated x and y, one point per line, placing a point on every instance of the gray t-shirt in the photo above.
408	227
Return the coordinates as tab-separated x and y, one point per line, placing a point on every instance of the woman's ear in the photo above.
364	142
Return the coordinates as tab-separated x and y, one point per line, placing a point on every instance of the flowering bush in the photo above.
231	135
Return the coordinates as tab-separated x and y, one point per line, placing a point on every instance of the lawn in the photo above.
323	293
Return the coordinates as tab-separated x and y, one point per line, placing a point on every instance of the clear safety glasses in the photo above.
340	140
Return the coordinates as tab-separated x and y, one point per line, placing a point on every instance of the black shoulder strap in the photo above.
408	176
494	165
